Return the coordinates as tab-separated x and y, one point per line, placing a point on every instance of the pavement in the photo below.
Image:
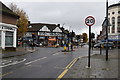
99	68
19	52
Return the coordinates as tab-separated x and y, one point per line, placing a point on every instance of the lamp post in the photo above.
105	24
72	35
69	37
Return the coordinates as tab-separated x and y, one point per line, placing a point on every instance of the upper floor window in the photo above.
118	19
118	12
118	29
118	26
113	12
113	24
109	26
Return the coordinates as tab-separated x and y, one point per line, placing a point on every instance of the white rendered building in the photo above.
114	18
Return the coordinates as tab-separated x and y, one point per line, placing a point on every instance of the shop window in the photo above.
9	39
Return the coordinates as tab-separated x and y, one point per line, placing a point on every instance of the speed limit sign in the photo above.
90	21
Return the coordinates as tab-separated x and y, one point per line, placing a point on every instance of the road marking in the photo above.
67	68
73	63
56	53
70	63
62	74
6	74
35	60
13	63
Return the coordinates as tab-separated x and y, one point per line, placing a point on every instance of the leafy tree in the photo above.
22	22
85	37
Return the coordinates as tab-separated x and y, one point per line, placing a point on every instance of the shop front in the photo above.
52	41
7	35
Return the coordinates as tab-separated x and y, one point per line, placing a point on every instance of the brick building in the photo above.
8	28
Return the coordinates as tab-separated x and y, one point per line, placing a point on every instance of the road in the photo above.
44	63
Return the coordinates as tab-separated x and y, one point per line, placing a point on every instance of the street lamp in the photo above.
106	24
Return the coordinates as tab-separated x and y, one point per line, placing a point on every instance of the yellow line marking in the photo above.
73	63
67	68
70	63
6	74
62	74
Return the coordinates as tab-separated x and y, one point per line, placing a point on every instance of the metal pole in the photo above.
107	30
69	37
89	46
68	40
100	49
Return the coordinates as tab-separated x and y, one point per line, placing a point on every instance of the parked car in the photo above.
103	45
38	44
19	42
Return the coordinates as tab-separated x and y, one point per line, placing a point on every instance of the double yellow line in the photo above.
2	75
67	68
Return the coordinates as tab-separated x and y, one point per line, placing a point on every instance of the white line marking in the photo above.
35	60
13	63
56	54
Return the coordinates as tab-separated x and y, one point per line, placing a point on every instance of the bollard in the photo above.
65	48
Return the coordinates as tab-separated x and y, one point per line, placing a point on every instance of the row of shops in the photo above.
46	34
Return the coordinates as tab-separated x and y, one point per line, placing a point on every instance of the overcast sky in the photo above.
69	12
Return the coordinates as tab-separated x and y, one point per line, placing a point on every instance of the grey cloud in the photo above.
71	13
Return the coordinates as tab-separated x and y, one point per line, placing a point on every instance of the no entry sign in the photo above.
90	21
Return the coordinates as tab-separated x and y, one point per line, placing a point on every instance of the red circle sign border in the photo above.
90	17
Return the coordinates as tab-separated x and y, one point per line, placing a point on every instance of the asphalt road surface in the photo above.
43	63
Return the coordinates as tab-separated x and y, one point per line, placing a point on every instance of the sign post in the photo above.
89	21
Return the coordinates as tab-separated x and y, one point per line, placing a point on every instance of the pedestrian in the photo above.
32	46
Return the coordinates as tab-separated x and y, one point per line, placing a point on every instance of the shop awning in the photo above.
111	40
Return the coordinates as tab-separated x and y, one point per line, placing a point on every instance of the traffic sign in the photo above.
90	21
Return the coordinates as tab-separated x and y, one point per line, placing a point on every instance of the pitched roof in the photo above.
6	11
38	26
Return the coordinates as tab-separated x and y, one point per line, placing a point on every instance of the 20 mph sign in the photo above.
90	21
